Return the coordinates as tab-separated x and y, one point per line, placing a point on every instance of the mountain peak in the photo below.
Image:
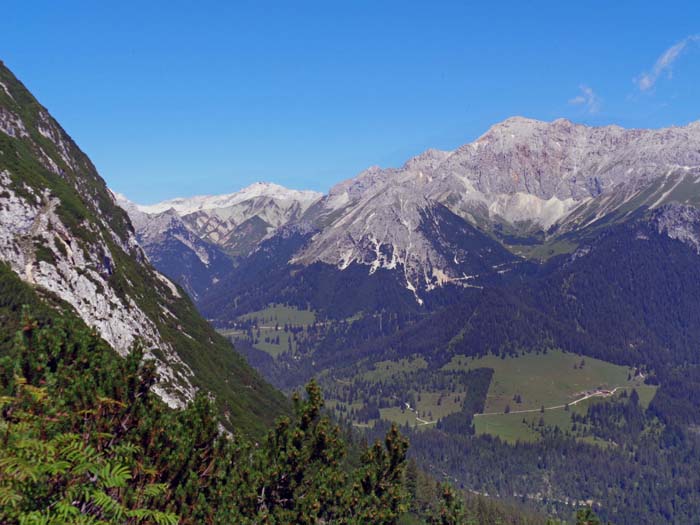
187	205
518	119
430	159
519	126
235	222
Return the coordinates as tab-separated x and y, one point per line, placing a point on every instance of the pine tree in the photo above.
586	516
450	510
85	441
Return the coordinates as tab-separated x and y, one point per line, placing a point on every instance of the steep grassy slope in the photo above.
62	231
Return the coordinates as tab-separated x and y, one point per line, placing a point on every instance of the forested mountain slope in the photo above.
86	440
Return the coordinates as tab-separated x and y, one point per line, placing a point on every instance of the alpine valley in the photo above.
121	405
525	307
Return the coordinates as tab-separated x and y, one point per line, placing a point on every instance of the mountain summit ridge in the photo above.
522	176
186	205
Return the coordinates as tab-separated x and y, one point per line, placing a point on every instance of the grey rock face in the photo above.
679	221
520	172
523	174
566	160
61	231
79	274
176	250
235	222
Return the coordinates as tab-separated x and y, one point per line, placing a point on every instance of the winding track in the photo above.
607	393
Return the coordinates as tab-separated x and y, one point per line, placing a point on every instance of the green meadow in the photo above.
554	378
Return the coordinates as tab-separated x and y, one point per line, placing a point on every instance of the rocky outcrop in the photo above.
679	221
43	251
61	230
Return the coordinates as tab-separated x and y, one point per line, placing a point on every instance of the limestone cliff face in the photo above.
522	173
41	249
62	231
679	221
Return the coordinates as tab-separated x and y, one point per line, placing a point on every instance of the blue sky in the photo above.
181	98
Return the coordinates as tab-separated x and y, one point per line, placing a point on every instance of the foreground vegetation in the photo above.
86	440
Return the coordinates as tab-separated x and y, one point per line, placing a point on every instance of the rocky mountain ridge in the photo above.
237	221
521	177
174	248
75	261
62	231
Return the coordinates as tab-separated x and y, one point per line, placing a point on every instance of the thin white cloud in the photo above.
587	99
664	63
